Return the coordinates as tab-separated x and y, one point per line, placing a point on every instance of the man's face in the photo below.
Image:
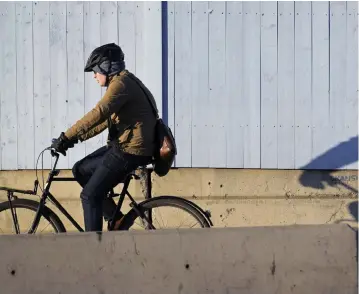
100	78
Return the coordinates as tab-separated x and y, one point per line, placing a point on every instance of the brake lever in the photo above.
54	153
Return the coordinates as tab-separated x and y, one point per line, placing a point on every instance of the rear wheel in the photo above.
23	215
166	212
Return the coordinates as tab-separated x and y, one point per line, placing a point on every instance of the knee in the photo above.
76	170
88	197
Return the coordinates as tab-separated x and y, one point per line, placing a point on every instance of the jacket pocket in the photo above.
125	134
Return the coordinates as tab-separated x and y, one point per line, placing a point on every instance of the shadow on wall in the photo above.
344	153
353	209
339	156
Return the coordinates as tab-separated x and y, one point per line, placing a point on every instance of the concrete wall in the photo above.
234	197
281	260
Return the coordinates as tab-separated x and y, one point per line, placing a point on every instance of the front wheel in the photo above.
17	217
166	212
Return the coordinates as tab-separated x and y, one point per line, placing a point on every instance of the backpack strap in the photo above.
148	95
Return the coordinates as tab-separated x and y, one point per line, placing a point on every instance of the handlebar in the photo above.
54	153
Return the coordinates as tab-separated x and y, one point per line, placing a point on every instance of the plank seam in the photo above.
33	80
16	84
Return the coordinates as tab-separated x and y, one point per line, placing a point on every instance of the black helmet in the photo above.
108	52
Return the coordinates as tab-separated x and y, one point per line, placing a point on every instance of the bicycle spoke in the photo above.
185	222
45	228
180	225
159	225
193	225
162	218
19	221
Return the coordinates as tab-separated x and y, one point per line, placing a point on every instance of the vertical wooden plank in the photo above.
42	94
75	73
139	31
92	33
58	67
251	83
183	83
234	85
303	85
320	95
286	85
126	32
201	130
8	116
351	104
338	73
2	37
269	80
217	84
153	50
171	65
24	82
109	34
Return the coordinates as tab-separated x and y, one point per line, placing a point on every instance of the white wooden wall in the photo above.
250	84
264	84
43	89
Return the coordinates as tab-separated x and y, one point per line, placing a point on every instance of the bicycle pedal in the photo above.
117	224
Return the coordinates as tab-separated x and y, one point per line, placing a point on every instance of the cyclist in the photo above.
126	112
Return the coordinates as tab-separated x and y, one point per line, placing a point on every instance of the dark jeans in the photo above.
98	173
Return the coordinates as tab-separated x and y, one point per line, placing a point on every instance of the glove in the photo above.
62	143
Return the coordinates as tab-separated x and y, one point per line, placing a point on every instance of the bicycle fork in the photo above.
36	221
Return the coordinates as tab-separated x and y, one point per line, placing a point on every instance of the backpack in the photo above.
165	145
165	151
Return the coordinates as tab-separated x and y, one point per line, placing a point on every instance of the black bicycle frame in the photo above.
47	195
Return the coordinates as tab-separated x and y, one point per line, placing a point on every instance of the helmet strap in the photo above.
107	75
107	80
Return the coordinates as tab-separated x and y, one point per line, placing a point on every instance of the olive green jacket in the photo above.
131	114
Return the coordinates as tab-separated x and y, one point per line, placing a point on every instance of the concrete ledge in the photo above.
235	197
293	259
219	184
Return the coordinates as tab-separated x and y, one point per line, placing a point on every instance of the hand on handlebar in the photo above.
55	146
53	151
62	143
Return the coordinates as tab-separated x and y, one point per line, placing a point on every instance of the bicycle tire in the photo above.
162	201
47	213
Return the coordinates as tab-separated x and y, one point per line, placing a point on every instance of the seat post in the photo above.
145	180
146	185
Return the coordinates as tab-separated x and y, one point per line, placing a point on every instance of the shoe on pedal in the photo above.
117	220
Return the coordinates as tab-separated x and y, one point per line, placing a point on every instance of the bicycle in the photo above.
142	210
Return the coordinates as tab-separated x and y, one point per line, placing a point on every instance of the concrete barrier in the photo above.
292	259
